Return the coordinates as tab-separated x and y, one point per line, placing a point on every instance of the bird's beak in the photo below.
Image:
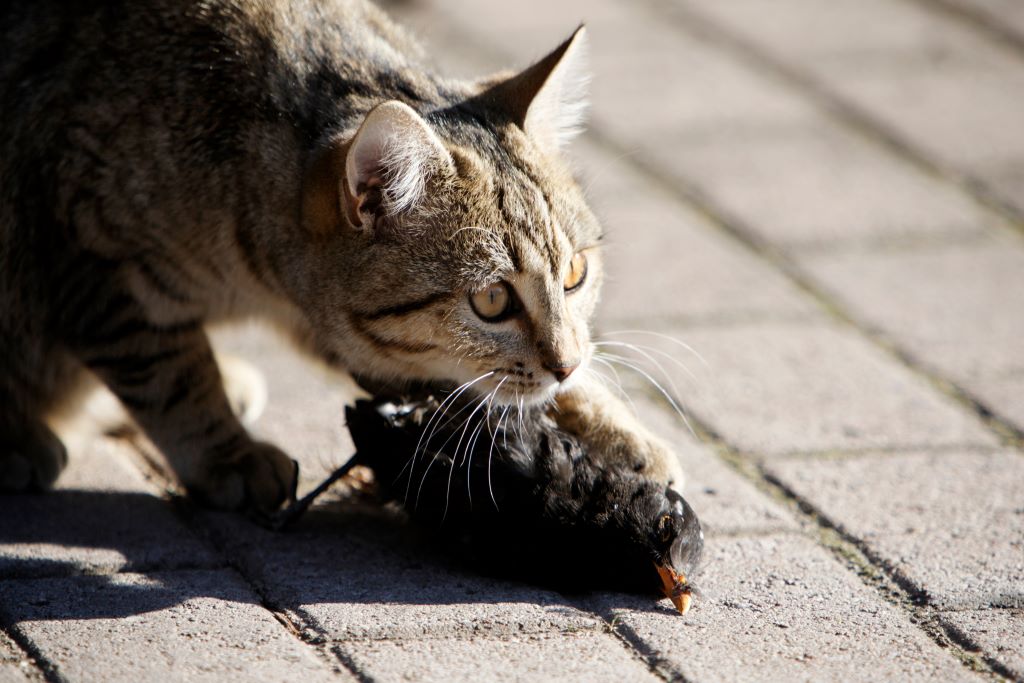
675	587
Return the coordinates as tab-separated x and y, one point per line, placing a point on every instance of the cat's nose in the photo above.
562	371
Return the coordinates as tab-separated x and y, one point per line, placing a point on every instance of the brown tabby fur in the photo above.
170	163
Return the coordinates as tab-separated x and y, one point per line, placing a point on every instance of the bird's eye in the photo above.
492	303
665	529
577	272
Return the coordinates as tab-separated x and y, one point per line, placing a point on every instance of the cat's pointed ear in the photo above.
380	171
548	100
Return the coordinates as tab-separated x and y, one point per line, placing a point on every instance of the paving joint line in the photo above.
980	22
873	570
839	107
914	599
47	669
309	635
186	512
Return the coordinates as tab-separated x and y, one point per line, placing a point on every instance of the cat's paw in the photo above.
31	462
259	478
245	386
642	453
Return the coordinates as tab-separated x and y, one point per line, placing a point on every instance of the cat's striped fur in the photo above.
169	163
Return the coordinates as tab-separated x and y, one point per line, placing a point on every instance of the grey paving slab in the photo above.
757	147
953	524
779	388
958	310
369	576
575	657
996	632
175	626
102	517
708	277
949	89
817	184
1007	15
725	502
641	64
781	608
15	667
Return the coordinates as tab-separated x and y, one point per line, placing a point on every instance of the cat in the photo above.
166	164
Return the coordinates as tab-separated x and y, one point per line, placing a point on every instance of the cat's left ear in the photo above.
548	100
379	172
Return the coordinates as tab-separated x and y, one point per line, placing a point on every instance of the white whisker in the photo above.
624	362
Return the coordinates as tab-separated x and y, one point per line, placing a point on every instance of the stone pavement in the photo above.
825	202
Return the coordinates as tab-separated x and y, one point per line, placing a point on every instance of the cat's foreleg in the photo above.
612	434
168	380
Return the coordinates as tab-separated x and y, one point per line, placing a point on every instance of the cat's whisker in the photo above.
490	454
660	368
668	338
643	351
435	419
459	430
486	421
451	471
624	362
607	381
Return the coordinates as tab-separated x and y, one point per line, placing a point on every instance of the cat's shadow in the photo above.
80	554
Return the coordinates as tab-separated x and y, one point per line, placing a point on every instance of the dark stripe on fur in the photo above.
403	308
394	344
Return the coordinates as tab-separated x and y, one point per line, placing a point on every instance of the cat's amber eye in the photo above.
494	302
577	272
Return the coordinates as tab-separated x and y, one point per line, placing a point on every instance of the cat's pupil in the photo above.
493	303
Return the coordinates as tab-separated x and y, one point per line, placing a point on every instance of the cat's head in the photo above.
473	256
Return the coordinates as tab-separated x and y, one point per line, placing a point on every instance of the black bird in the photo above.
526	500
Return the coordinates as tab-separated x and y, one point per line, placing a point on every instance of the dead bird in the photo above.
524	499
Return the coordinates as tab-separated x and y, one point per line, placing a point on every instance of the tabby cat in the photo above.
165	164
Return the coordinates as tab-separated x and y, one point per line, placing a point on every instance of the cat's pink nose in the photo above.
562	372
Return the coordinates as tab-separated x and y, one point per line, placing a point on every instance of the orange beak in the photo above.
675	588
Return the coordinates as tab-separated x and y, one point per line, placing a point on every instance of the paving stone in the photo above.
15	667
102	517
947	88
352	575
781	608
997	632
959	310
780	388
817	184
709	276
639	62
191	625
573	657
953	524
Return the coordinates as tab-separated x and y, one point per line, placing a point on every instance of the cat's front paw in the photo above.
642	453
258	477
31	461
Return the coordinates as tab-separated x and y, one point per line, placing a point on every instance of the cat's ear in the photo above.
381	171
548	100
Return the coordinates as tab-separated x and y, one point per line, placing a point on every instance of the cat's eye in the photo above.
494	302
577	272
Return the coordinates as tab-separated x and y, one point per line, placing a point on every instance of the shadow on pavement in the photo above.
79	554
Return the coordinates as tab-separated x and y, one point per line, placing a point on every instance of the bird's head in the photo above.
677	543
